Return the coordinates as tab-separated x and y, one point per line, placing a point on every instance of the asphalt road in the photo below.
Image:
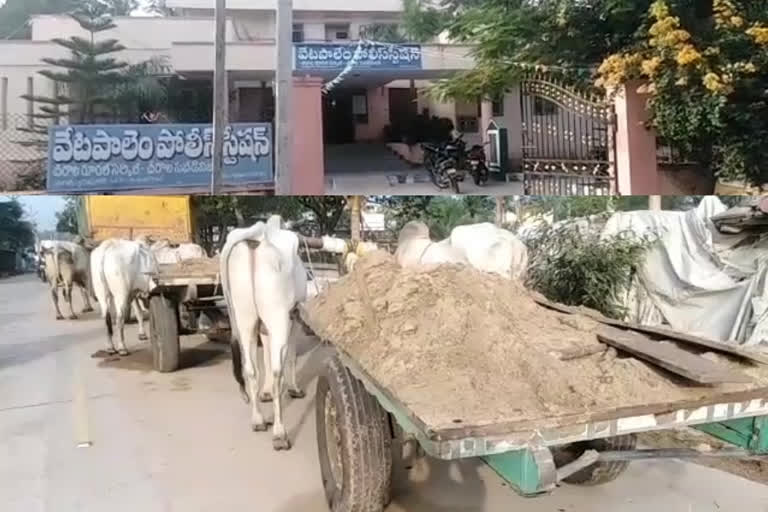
182	442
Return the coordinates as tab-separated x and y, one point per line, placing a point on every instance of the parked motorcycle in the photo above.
478	166
442	167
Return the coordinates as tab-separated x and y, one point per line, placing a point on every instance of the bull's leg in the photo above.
294	391
68	296
55	296
267	386
139	314
122	306
86	300
110	332
280	439
250	348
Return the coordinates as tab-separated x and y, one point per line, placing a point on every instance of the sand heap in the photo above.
458	346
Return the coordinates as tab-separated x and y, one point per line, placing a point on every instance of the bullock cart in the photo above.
182	292
186	291
363	425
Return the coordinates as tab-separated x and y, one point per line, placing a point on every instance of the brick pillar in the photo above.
308	173
636	166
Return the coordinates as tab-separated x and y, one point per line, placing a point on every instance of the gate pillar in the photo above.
308	173
636	167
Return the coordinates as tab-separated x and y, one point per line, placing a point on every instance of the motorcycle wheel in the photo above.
455	183
481	176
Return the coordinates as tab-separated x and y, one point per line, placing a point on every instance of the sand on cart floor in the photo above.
460	347
198	266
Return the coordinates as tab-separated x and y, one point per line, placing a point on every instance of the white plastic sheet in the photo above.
694	278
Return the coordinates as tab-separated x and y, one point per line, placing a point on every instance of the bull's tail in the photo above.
237	366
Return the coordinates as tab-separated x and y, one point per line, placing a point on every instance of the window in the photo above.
298	33
467	124
337	32
498	107
542	107
360	108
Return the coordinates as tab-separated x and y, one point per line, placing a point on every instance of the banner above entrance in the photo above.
379	57
113	158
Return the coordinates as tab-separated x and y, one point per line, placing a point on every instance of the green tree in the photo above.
66	219
216	215
15	232
89	75
441	214
583	269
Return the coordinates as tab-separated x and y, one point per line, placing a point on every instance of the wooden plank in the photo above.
578	353
756	356
670	357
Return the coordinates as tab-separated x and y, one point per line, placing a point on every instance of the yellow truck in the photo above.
129	217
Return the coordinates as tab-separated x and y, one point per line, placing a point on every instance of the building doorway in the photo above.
338	118
402	107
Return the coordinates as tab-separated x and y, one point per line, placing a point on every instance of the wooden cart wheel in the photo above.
354	443
164	333
601	472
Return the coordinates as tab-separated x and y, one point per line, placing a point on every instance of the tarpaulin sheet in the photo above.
696	279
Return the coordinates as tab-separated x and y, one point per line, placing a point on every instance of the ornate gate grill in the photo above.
568	141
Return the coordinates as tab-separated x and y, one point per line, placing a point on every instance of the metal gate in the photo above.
568	141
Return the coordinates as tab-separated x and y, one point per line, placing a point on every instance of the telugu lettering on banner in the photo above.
372	56
105	158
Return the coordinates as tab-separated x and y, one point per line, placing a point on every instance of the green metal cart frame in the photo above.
356	450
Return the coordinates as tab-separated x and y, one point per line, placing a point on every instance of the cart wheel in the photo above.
354	443
600	472
164	333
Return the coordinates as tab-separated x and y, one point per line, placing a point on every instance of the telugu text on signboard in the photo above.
372	56
107	158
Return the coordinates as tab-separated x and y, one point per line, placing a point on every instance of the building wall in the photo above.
378	116
298	5
143	32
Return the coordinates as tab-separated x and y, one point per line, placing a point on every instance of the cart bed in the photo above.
465	362
468	440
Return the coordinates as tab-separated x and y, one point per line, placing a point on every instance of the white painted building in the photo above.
358	110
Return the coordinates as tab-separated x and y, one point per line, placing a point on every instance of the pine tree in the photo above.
84	85
88	76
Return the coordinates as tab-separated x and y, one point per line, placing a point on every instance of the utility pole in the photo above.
220	96
501	211
355	213
654	203
283	90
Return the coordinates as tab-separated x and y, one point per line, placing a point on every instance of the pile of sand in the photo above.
459	347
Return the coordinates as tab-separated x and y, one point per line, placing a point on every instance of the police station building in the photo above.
348	97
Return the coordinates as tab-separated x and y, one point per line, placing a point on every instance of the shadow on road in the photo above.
22	353
433	486
140	358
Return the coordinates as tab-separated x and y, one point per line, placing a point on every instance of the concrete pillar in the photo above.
486	116
636	167
308	173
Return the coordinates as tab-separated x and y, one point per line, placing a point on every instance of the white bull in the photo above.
491	249
264	279
414	247
66	266
120	271
484	246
